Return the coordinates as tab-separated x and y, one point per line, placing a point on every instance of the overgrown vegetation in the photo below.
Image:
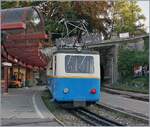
46	96
140	85
126	61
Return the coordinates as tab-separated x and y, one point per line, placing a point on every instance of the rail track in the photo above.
92	118
121	111
126	94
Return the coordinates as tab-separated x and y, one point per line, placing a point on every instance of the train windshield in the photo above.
79	64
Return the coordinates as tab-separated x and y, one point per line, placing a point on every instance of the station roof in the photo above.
26	15
24	28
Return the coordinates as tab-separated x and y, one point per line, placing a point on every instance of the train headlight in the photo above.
66	90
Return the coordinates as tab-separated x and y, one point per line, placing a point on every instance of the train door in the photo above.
50	68
53	82
54	65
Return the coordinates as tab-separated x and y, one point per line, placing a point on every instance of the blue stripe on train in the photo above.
79	89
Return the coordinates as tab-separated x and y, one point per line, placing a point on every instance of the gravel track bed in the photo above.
70	120
63	115
116	116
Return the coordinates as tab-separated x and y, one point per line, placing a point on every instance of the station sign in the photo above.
124	35
7	64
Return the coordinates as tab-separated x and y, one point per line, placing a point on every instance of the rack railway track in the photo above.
92	118
132	115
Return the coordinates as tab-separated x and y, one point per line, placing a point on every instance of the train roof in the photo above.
74	51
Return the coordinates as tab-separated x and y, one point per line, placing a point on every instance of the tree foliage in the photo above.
95	13
101	16
98	14
128	17
17	4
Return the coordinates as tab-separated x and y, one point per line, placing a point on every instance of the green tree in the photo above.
95	13
128	17
128	58
102	16
17	4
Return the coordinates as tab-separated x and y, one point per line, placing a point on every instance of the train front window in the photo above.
79	64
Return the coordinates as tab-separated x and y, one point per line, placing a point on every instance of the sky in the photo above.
144	5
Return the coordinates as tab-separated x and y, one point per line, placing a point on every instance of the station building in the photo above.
23	37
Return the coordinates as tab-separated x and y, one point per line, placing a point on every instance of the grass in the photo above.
46	97
56	110
139	85
52	106
130	89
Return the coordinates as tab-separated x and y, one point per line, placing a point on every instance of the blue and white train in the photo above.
75	76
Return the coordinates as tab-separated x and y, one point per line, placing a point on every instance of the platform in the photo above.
24	107
121	102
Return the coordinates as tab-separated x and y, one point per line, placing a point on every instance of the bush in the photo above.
134	85
140	82
127	59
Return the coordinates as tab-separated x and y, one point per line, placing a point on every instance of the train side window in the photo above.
55	64
51	65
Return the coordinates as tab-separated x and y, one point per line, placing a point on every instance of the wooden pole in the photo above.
6	79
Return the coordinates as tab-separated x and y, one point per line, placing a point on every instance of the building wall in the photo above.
138	45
